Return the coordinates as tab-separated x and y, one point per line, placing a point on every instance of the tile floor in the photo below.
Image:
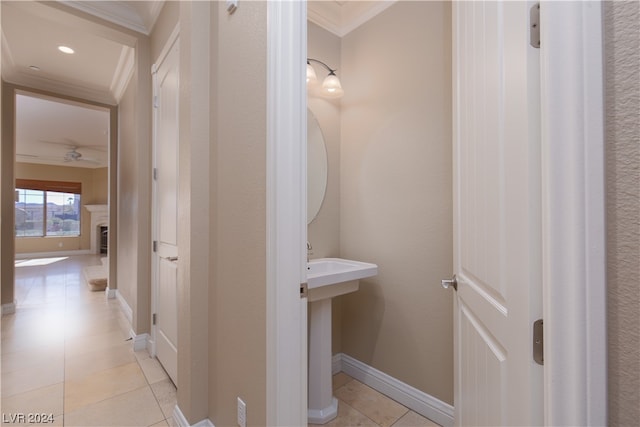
360	405
65	352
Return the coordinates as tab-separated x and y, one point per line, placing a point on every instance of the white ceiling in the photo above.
46	130
99	70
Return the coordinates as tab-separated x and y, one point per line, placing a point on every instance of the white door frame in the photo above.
573	197
286	213
151	345
573	213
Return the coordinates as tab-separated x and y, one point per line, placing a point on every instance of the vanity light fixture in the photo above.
331	87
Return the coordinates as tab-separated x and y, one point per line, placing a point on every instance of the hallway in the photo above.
65	352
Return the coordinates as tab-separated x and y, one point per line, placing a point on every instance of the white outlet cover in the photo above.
242	413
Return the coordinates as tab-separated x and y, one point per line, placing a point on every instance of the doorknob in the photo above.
172	258
451	282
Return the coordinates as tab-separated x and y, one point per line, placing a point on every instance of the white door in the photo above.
165	203
497	223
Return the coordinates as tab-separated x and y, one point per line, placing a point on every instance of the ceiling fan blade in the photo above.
70	143
76	144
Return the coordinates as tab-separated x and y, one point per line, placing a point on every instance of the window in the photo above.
47	208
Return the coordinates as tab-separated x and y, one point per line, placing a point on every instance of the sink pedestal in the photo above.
327	278
323	407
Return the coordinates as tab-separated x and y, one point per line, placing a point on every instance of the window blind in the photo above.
57	186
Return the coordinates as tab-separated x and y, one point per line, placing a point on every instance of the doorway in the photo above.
50	203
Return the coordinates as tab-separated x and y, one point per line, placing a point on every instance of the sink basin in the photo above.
330	277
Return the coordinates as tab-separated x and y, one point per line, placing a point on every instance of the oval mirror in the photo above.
316	167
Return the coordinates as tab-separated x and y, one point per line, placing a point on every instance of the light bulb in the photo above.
331	87
66	49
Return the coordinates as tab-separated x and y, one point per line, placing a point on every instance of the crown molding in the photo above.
342	17
123	73
72	89
122	13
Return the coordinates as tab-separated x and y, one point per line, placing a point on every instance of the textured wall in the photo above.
395	193
238	259
7	193
127	200
622	91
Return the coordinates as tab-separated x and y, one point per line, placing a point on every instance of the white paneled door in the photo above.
497	224
166	97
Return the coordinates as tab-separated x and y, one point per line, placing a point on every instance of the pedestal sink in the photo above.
327	278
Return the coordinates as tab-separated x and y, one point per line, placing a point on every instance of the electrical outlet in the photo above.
242	413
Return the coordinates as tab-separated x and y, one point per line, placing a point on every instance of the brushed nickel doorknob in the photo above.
450	282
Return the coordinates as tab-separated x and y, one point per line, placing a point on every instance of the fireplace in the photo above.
99	227
104	239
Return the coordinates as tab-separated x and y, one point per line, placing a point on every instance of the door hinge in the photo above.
538	342
155	101
155	246
534	26
153	318
155	174
304	290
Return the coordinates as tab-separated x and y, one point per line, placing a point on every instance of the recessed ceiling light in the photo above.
34	68
65	49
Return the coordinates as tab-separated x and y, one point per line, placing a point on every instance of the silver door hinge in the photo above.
304	290
155	101
155	174
534	26
538	342
155	246
153	318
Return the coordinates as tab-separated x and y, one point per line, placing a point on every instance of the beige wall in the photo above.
396	200
127	199
7	193
167	21
193	210
133	252
94	191
238	295
622	123
100	178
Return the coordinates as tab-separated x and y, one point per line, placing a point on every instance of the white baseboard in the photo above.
140	341
181	420
110	293
8	308
414	399
52	254
124	306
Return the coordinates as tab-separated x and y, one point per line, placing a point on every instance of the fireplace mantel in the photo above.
97	208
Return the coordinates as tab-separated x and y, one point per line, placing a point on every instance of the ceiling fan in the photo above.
75	156
70	156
